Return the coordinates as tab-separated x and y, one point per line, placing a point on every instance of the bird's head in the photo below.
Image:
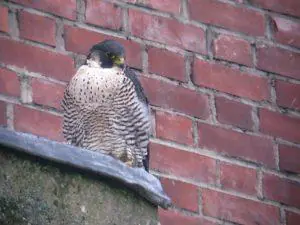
107	54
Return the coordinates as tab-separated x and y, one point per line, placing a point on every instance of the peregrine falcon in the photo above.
105	108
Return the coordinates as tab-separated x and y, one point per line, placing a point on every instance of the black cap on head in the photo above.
108	53
109	46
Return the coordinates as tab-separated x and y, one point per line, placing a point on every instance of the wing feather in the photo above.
72	124
132	105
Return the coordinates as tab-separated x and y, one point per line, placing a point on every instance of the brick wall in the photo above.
223	79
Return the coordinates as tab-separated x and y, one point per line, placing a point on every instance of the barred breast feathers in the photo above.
95	88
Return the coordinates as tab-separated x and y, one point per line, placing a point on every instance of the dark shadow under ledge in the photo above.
135	179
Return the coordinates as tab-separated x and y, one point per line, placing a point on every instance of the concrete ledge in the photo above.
39	192
138	180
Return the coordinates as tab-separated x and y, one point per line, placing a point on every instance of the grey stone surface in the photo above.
36	192
136	179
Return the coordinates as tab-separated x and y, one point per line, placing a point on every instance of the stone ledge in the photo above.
135	179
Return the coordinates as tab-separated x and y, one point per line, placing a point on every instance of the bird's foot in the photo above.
129	162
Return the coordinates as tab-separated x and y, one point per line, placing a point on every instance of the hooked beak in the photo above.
119	61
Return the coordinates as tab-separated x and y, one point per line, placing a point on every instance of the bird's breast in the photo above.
95	85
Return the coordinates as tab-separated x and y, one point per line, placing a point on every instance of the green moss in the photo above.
10	213
24	210
43	194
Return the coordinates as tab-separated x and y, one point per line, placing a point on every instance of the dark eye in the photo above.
110	55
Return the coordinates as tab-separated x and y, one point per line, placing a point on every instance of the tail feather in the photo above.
146	160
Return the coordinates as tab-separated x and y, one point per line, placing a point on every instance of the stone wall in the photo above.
37	192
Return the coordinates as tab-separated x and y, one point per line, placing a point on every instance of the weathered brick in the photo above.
174	128
4	19
287	6
286	31
175	218
35	59
80	40
104	14
232	143
288	94
241	179
289	158
238	210
66	8
37	122
175	190
9	83
233	113
281	190
169	96
278	60
292	218
37	28
171	6
232	81
227	15
2	113
167	31
47	93
166	63
279	125
181	163
233	49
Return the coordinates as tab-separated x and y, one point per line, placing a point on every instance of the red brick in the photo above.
66	8
281	190
36	59
181	163
176	218
287	7
104	14
166	63
80	41
286	31
227	15
38	123
289	158
174	128
171	6
232	143
241	179
279	125
9	83
238	210
37	28
234	113
292	218
4	19
288	94
169	96
232	81
278	60
233	49
2	113
41	90
183	195
167	31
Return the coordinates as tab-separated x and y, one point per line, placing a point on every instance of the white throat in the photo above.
93	63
